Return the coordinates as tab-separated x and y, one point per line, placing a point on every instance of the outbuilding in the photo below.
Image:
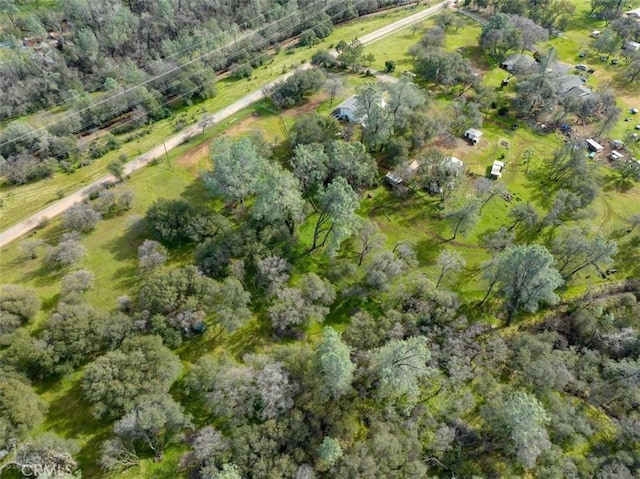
496	169
616	155
593	145
631	46
346	111
635	13
393	179
473	135
518	63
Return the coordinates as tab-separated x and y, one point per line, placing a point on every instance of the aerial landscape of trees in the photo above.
299	296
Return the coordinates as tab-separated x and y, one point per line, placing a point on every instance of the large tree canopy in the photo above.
237	165
526	277
114	382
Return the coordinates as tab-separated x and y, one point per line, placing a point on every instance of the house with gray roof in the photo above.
518	63
572	86
346	110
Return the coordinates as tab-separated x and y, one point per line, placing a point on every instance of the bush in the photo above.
309	38
323	58
80	217
68	252
389	66
242	71
292	91
17	306
97	148
24	168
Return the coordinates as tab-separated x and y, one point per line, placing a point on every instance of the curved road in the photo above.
22	228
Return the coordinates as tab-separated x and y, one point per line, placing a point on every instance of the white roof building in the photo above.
473	135
496	169
616	155
635	13
594	145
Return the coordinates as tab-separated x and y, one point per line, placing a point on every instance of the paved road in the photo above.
22	228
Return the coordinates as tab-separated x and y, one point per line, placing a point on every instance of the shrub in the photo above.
242	71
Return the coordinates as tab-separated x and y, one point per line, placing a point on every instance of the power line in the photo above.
160	60
9	177
166	87
173	70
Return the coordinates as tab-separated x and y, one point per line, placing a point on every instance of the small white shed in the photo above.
631	46
496	169
616	155
473	135
593	145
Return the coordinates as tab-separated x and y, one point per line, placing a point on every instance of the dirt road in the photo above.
22	228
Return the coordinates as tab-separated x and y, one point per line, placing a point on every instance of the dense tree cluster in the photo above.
130	63
293	90
553	15
505	33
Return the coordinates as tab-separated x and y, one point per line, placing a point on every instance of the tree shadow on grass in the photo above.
69	417
196	193
44	275
629	256
342	310
49	303
250	337
198	346
428	250
125	246
89	455
69	414
617	183
540	189
126	277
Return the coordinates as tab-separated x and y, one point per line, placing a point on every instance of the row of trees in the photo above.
129	64
553	15
95	39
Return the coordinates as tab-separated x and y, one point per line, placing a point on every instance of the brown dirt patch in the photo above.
242	126
307	107
196	156
193	158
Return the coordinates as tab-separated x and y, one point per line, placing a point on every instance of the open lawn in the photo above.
396	46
